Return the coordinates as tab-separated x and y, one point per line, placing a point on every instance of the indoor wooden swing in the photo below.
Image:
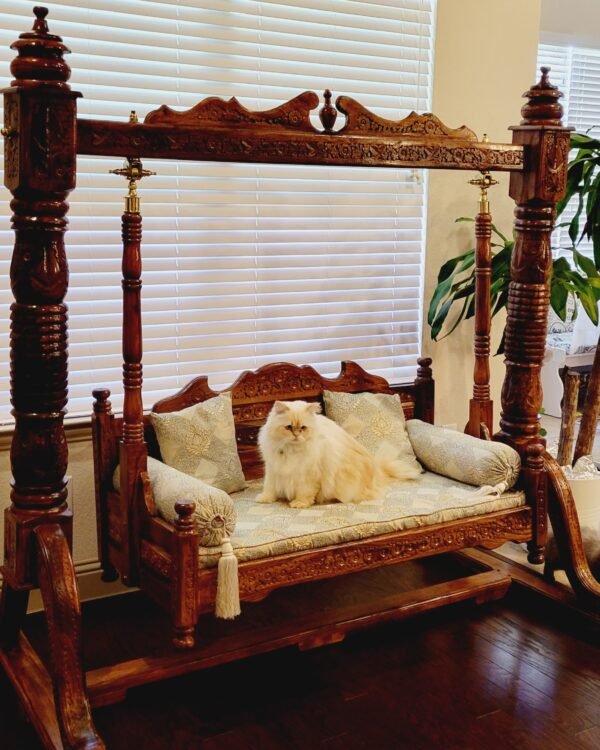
43	136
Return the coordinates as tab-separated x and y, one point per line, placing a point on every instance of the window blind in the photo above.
243	264
576	71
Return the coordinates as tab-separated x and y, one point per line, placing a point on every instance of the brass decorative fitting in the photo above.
484	182
8	132
132	169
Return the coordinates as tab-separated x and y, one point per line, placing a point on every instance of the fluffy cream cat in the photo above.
310	459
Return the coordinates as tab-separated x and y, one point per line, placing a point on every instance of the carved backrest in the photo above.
254	393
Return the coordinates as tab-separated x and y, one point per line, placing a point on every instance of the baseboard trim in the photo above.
91	586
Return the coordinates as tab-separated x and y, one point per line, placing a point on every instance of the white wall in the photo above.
485	57
576	21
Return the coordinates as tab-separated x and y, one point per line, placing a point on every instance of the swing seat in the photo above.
276	545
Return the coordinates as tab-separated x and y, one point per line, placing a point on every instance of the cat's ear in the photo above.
279	407
314	408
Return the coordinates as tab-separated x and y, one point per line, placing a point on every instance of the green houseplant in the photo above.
453	299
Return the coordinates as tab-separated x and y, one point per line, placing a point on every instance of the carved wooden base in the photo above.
565	523
319	627
61	601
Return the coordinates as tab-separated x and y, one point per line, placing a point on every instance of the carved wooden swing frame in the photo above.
43	136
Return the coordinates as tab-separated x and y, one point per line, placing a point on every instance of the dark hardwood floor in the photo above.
516	674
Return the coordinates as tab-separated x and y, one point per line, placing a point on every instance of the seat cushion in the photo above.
276	529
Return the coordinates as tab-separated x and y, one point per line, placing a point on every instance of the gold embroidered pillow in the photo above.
464	457
200	441
376	420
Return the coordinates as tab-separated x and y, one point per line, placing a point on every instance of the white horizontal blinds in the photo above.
246	264
576	71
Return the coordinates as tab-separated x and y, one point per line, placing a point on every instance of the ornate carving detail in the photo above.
359	119
11	140
294	114
373	553
157	560
96	137
555	160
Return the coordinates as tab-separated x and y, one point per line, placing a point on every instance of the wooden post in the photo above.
40	151
591	409
481	405
536	191
185	573
566	437
132	451
39	132
425	385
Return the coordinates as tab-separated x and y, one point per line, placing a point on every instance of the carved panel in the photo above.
554	163
294	114
11	140
360	120
349	558
211	144
157	560
51	143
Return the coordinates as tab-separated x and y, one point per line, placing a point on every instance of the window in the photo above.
243	264
576	72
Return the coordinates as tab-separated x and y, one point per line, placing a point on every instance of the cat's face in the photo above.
293	422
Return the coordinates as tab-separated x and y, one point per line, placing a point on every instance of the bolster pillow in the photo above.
463	457
215	513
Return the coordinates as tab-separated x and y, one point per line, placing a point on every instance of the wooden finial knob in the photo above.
39	60
40	24
543	107
327	113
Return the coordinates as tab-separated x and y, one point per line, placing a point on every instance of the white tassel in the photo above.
228	588
490	491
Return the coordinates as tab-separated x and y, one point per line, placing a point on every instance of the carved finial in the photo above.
327	113
184	510
543	107
132	169
39	60
133	118
40	25
485	138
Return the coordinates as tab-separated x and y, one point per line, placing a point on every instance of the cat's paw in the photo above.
302	502
265	497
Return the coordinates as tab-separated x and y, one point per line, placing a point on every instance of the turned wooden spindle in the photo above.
185	567
481	405
133	456
536	190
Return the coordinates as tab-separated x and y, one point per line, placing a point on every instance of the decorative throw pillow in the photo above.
215	512
200	441
376	420
463	457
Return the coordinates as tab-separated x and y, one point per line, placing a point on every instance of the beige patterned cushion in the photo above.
463	457
200	441
276	529
376	420
215	513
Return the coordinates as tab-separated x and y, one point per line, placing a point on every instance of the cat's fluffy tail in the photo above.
397	469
